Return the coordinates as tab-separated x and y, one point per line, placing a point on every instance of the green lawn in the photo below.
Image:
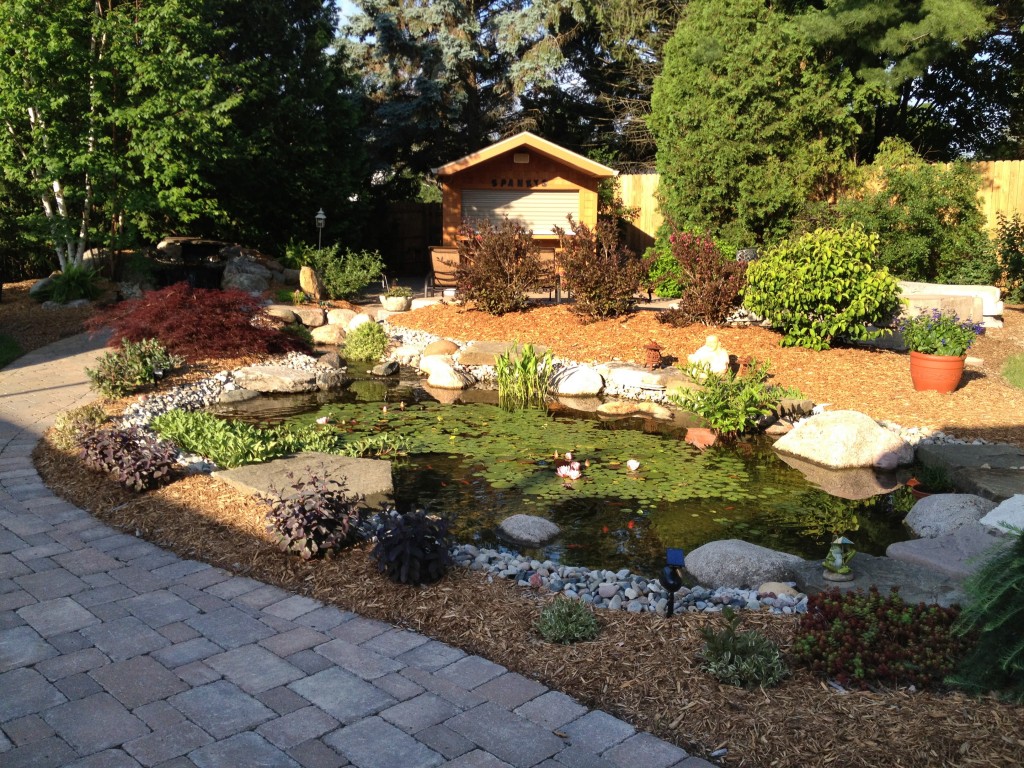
1013	371
9	350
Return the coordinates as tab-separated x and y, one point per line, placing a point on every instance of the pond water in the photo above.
477	464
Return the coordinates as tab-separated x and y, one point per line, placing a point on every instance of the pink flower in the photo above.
322	420
568	472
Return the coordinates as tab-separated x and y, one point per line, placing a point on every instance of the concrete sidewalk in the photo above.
114	652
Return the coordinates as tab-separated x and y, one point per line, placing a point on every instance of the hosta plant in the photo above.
745	659
567	621
132	457
315	518
412	548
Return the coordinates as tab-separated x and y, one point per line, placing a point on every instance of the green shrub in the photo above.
71	426
398	291
132	367
10	350
315	518
567	621
927	217
1009	238
863	638
413	548
300	332
522	377
993	615
744	659
498	266
344	275
132	457
367	342
603	274
729	403
709	284
821	287
1013	370
71	284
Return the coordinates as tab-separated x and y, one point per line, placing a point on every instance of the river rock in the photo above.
528	530
385	369
340	316
309	316
311	284
656	410
245	275
330	360
328	335
736	563
282	312
842	439
1009	513
275	378
942	513
450	377
328	379
357	320
406	354
441	347
778	589
577	381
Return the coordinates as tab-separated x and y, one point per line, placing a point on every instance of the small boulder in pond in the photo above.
942	513
842	439
736	563
385	369
528	530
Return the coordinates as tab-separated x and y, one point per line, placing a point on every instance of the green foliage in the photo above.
285	296
567	621
383	444
729	403
927	217
938	333
821	287
133	366
413	548
992	617
71	426
1009	243
10	350
744	659
1013	370
709	283
749	127
132	457
402	291
522	377
860	639
497	266
932	478
367	342
300	332
70	284
344	275
314	518
603	274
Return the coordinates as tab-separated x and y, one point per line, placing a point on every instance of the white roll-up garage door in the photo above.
537	211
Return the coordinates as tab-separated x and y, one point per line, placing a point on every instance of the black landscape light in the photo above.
671	580
320	217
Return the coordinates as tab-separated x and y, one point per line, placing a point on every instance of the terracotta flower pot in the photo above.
939	373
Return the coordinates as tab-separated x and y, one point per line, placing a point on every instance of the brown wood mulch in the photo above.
642	668
24	319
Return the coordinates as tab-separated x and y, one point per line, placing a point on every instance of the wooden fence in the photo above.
1002	191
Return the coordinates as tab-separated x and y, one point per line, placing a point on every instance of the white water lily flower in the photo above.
322	420
632	465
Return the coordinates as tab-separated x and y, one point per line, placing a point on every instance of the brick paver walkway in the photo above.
116	653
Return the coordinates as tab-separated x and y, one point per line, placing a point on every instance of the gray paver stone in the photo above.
233	587
358	629
158	715
401	688
358	660
125	638
299	726
78	686
471	671
95	723
11	566
254	669
577	757
22	646
87	561
138	681
230	627
456	694
72	663
643	750
109	758
54	617
395	642
187	652
261	597
27	729
309	661
513	739
35	694
179	569
293	641
178	632
511	690
443	739
431	656
283	700
477	759
221	708
109	593
421	712
51	584
167	743
324	619
342	695
196	674
292	607
597	731
53	752
362	743
245	749
159	608
316	754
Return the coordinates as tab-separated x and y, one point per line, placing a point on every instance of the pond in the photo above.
478	464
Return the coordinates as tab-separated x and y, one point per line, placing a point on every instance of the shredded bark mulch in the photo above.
24	319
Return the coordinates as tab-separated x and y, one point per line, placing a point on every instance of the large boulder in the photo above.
528	530
311	284
340	315
310	316
357	320
1008	514
245	275
957	554
942	513
449	377
577	381
275	378
441	347
842	439
282	312
736	563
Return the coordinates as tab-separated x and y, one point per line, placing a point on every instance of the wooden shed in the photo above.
524	178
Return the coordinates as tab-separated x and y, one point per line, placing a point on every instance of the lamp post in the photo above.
670	577
320	217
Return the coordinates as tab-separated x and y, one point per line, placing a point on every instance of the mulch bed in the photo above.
24	319
642	668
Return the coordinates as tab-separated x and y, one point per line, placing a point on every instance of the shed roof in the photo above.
527	139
